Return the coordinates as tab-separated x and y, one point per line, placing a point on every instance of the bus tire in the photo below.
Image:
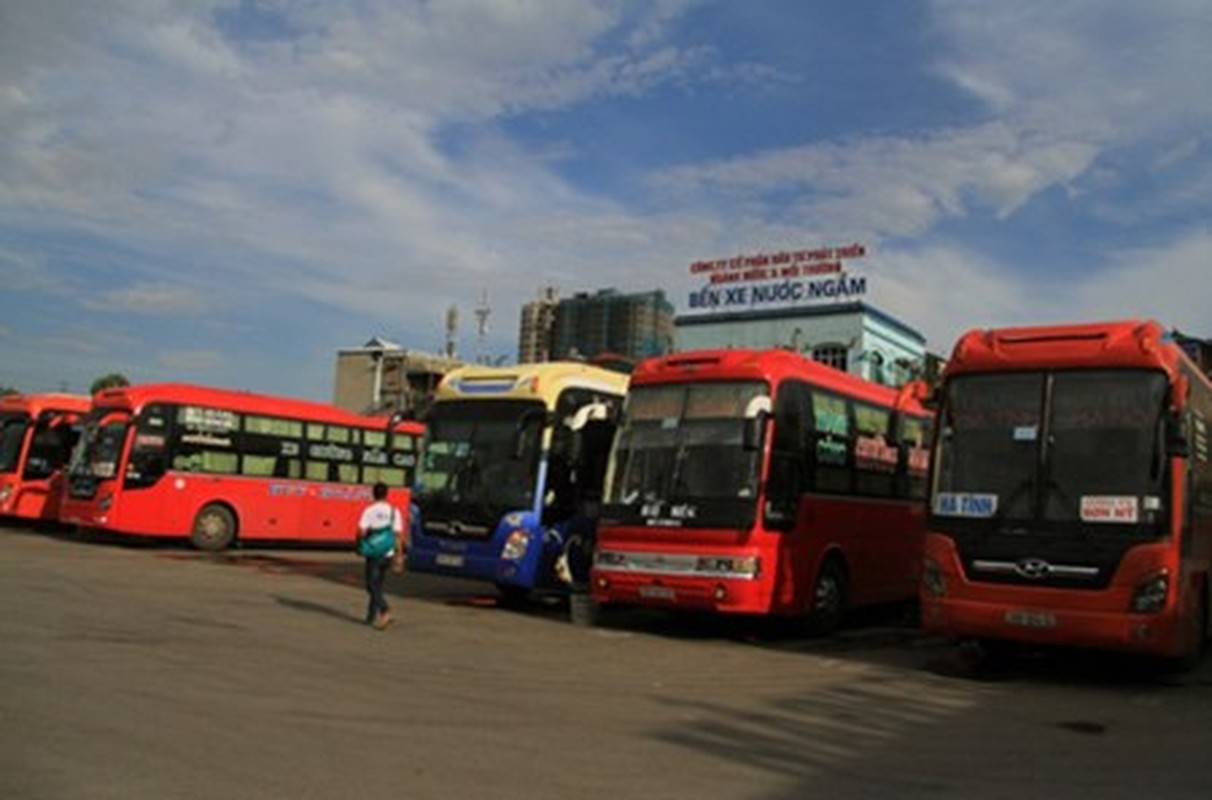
512	595
828	598
1194	655
214	528
582	610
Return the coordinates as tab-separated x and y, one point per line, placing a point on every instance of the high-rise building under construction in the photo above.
607	322
534	334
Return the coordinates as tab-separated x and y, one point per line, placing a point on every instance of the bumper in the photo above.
1052	624
723	595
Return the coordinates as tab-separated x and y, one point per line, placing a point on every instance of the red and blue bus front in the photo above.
486	509
512	551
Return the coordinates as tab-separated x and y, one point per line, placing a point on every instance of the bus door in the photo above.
49	451
579	453
151	456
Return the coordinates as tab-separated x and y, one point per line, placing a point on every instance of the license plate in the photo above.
449	560
656	593
1031	619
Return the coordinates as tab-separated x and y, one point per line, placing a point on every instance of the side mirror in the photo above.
779	515
756	415
754	431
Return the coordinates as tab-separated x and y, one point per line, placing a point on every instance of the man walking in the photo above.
381	544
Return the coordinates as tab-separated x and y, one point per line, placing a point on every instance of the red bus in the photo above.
220	466
37	434
1071	497
760	482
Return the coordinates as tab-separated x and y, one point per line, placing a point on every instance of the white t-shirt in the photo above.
381	514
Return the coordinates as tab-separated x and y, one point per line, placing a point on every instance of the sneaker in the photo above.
382	621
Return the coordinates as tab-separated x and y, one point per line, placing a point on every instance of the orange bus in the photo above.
221	466
760	482
1071	497
37	434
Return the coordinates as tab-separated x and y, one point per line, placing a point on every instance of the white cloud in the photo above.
895	186
944	290
1116	69
947	289
149	298
1169	283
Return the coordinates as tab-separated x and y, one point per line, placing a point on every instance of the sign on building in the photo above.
770	280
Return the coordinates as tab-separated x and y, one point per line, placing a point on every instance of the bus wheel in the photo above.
214	528
828	599
513	595
1199	641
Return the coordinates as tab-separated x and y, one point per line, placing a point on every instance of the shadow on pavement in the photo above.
317	608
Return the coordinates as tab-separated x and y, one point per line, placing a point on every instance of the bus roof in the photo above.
35	404
543	381
1122	343
134	398
772	365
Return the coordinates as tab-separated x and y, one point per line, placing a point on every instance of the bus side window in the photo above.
915	440
205	439
270	447
874	451
832	438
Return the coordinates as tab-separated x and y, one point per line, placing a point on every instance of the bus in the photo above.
507	471
760	482
37	434
1071	498
218	466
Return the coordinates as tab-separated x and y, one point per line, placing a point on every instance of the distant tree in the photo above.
7	390
110	381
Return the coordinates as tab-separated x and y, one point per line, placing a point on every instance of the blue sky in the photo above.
229	192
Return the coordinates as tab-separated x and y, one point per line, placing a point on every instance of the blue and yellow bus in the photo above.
507	470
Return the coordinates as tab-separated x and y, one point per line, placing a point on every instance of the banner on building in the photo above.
787	278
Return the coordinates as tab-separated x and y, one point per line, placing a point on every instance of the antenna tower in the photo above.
482	311
452	330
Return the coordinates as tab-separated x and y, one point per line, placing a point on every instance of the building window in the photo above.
875	367
833	355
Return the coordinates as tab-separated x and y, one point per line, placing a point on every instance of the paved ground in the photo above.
157	672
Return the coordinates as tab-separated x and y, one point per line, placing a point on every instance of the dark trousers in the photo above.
375	574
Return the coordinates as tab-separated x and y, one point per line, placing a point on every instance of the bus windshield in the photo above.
471	458
682	445
12	435
1053	447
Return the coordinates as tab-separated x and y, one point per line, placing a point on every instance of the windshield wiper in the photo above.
1025	486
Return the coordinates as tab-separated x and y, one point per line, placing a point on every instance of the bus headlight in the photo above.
932	578
1150	595
729	566
516	545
